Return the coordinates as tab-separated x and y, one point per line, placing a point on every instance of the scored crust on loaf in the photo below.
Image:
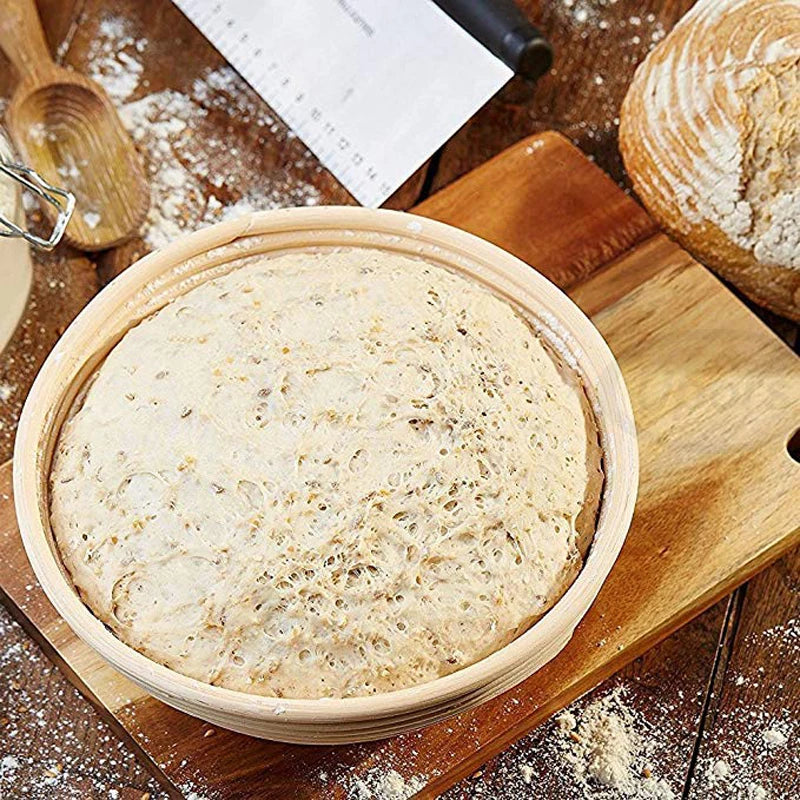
326	474
710	135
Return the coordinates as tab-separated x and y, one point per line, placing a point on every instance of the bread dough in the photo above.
326	475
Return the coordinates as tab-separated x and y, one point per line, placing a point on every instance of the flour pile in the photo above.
196	176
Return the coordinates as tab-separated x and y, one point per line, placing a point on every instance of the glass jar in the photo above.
16	272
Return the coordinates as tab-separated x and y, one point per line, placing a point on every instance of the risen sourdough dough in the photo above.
326	474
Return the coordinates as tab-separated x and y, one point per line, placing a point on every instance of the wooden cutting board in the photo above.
716	397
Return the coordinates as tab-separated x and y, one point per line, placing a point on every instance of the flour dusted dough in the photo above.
327	474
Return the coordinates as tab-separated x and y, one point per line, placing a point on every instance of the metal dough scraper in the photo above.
372	87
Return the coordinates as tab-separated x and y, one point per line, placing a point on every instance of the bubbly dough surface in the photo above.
327	474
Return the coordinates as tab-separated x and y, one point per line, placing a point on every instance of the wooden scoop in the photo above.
66	128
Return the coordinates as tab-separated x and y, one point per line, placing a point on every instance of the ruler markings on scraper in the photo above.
372	87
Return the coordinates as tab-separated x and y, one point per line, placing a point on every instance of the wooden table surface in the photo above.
702	701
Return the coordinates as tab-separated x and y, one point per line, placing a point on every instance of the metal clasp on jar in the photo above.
61	199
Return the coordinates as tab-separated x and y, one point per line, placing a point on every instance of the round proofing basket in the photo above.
160	277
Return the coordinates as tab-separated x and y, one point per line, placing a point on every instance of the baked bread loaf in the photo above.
710	135
327	474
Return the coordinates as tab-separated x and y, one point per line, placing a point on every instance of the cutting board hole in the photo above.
793	446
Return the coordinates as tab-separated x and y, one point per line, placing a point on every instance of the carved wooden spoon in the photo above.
66	128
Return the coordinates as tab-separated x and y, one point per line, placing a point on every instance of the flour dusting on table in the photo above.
606	749
378	784
594	25
42	748
600	748
196	176
113	55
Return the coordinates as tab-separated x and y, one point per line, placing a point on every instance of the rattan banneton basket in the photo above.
163	275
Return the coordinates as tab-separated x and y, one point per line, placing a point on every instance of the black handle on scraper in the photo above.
505	31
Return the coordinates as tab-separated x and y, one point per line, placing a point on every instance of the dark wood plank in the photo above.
749	739
664	692
52	744
63	282
533	169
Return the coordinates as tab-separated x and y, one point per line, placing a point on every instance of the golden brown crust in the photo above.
710	136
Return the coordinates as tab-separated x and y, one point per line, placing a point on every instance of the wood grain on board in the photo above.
715	496
592	221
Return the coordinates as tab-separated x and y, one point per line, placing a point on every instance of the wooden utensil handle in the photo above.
22	39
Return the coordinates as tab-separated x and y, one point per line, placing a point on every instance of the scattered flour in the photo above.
786	635
196	176
753	753
592	13
597	749
113	60
187	190
45	751
7	765
775	737
184	183
384	785
607	750
566	721
721	769
605	744
40	134
92	219
603	749
620	43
